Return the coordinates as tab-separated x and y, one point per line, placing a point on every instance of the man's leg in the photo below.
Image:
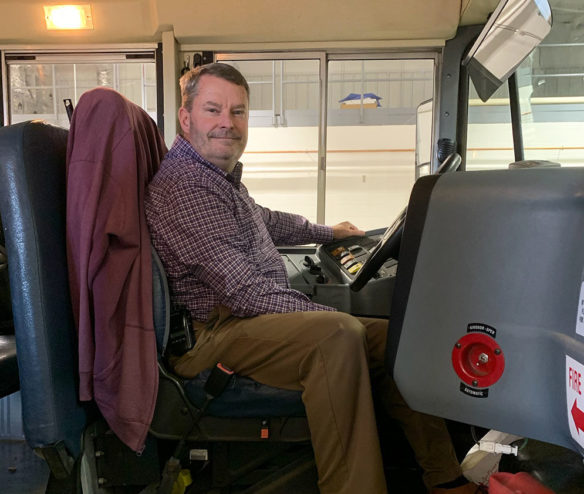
427	435
325	355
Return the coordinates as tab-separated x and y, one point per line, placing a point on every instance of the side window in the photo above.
551	92
282	152
371	137
36	89
489	142
550	86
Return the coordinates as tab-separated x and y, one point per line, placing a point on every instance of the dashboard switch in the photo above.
314	269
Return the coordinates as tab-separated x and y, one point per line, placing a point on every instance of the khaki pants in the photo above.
328	356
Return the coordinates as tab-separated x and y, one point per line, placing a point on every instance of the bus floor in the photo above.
562	470
21	471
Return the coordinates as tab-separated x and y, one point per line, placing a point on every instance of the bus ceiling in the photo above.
352	21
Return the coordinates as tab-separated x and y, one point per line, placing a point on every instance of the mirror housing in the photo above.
512	32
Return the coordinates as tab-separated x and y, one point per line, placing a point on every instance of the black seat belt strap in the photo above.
215	385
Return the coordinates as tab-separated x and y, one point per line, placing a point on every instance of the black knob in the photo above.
314	269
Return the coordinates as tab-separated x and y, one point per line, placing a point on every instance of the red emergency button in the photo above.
478	360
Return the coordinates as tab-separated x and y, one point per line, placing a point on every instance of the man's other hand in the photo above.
346	229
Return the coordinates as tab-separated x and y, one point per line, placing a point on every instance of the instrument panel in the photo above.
325	273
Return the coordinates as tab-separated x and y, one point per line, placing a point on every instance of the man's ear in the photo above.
184	119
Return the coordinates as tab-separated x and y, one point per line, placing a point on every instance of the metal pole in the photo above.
516	117
322	125
462	116
274	114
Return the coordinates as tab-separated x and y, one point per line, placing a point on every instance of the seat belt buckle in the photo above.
218	380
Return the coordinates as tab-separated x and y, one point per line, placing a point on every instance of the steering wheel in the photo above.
389	244
387	247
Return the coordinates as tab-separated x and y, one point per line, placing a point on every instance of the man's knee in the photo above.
344	329
341	347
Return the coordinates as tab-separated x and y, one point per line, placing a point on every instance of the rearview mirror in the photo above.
514	29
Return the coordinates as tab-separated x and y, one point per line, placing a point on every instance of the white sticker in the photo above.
574	398
580	318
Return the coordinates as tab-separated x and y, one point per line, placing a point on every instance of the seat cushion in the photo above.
244	397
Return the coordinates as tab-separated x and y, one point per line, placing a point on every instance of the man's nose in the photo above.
226	120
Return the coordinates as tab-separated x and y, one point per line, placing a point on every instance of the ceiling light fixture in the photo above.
68	17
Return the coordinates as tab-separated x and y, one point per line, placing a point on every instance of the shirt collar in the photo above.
184	147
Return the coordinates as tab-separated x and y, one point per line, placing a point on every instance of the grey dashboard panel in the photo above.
502	250
326	280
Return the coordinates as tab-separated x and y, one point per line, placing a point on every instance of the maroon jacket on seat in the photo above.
114	150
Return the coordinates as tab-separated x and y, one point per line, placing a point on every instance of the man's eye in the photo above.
212	110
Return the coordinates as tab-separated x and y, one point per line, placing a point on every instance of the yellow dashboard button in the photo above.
355	267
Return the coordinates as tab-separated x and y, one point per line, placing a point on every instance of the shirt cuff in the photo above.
322	234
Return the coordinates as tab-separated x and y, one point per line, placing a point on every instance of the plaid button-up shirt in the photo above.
217	245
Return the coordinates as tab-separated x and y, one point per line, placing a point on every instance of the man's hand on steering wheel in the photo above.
346	229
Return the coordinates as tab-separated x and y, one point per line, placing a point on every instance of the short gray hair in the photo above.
189	82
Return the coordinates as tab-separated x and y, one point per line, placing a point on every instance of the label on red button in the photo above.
479	327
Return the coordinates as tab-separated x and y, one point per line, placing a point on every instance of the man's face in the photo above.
216	126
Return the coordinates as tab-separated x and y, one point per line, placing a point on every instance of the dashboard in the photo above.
324	274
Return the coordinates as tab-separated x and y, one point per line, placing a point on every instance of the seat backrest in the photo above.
488	309
114	149
6	324
32	205
160	303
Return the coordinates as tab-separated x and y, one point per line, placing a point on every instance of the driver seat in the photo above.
240	432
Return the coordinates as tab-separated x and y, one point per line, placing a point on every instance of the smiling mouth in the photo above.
226	141
228	136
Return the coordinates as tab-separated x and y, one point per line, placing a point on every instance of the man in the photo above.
218	250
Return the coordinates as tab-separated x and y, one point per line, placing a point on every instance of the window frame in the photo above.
127	53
